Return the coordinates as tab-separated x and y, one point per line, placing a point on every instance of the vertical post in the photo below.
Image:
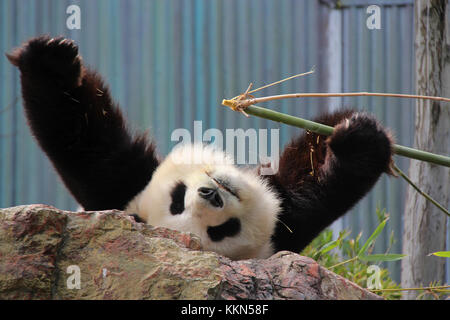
333	65
425	226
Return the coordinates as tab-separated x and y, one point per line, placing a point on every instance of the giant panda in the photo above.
235	211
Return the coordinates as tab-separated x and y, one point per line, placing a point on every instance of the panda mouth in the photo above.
229	228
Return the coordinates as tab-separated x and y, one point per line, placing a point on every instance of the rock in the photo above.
46	253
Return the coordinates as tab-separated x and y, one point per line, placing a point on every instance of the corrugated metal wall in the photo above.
381	61
170	62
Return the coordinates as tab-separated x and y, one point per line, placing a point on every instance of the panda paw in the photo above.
54	59
363	138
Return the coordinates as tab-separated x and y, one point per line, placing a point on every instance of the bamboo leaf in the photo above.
333	244
444	254
373	237
328	246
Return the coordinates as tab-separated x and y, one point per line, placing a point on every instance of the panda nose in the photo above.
212	195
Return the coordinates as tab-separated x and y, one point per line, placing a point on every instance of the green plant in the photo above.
443	254
351	258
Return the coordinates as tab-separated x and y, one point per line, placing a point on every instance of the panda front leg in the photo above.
320	178
79	127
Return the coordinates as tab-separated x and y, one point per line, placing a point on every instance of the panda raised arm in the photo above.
320	178
79	127
235	211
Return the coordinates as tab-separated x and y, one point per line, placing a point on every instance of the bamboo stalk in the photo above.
277	82
327	130
343	262
410	289
426	195
242	103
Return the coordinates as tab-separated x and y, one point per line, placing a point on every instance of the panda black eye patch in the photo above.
177	195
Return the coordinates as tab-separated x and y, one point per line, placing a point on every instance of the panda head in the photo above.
198	189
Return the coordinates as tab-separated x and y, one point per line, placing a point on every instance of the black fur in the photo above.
84	134
177	195
79	127
320	178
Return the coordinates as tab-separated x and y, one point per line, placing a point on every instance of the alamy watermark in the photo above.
373	22
236	143
374	281
74	19
74	280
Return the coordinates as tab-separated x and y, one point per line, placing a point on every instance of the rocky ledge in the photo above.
46	253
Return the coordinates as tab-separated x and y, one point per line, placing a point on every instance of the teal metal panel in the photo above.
381	61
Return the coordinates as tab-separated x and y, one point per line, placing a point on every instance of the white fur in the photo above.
194	165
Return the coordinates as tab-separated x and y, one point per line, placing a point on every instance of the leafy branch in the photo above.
373	257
